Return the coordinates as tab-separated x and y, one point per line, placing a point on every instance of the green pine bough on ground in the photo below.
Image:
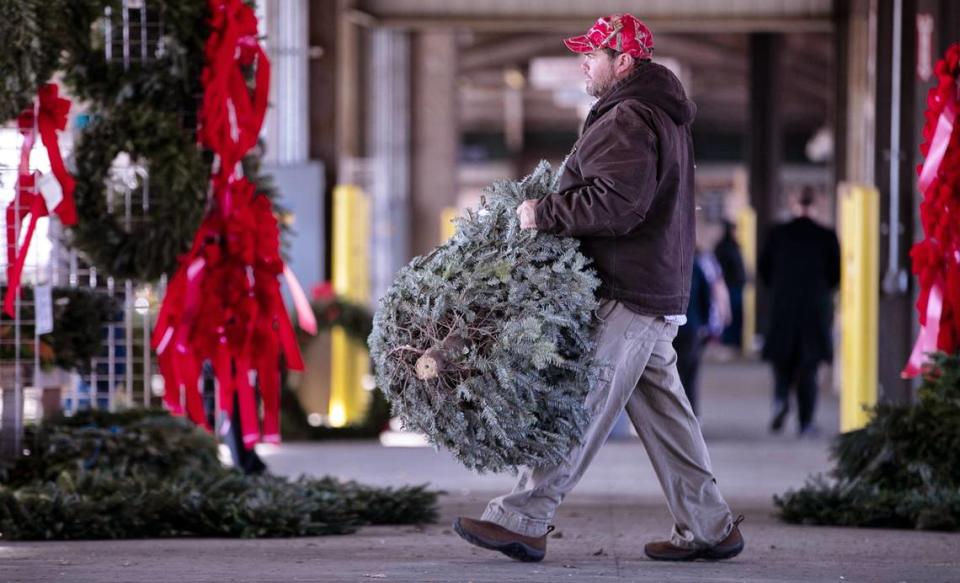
141	474
900	471
484	344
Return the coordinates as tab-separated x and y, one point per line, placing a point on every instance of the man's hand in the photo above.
527	213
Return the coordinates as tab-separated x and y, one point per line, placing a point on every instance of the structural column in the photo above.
766	136
435	135
287	45
897	136
389	153
324	18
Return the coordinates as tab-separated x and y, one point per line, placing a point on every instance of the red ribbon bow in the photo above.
231	119
47	118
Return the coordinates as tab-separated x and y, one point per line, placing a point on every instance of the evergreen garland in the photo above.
177	193
900	471
79	315
30	51
484	344
145	474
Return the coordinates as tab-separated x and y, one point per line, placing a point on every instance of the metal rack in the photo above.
123	374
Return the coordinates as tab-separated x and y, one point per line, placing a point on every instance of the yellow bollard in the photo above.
350	363
447	228
747	238
859	215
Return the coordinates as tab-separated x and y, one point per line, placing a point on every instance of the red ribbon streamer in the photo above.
48	116
927	339
30	203
224	303
52	118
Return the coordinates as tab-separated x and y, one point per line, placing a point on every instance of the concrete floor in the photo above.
601	528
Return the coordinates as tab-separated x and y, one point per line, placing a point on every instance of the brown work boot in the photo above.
489	535
726	549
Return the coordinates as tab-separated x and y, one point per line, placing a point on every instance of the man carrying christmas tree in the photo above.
627	193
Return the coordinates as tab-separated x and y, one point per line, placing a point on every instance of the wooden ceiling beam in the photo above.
573	25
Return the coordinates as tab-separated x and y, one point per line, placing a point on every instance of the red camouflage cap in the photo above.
620	32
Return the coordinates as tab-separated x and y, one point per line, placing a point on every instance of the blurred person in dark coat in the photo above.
800	264
727	252
692	336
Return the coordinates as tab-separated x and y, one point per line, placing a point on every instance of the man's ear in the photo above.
624	63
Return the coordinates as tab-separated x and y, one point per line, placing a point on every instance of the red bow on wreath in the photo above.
37	194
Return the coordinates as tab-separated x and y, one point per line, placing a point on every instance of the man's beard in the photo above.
598	87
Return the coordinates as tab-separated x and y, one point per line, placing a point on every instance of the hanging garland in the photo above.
169	79
177	193
30	52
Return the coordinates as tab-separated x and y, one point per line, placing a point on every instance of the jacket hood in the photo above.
653	85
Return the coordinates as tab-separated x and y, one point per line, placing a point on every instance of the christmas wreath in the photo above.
484	345
178	178
168	79
357	321
30	53
330	311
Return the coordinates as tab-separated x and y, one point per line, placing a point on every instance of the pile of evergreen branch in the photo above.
143	474
902	470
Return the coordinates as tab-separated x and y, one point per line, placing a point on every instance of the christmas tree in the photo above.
484	345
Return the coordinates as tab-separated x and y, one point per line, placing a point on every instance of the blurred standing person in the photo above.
692	336
800	264
727	252
719	296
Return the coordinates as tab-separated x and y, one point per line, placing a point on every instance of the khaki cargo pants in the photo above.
640	373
